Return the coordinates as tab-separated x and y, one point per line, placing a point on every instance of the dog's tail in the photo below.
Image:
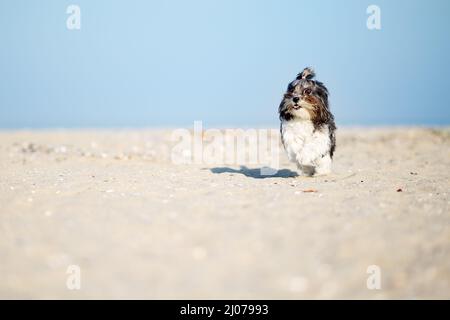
306	74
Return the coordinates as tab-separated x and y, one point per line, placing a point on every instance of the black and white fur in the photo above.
307	125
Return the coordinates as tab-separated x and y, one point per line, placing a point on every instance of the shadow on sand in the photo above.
257	173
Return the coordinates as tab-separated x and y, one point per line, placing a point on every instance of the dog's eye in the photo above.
307	92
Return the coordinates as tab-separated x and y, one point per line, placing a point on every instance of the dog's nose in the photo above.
295	99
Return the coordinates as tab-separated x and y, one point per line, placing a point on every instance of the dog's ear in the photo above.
306	74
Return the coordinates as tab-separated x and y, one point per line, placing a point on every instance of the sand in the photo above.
139	226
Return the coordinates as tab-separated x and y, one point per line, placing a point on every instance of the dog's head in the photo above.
305	99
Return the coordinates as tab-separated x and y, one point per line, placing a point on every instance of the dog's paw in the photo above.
306	160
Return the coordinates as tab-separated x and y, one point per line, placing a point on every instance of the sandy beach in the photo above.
140	226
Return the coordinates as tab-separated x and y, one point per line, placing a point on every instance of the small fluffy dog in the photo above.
307	125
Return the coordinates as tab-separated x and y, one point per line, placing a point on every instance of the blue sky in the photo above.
225	62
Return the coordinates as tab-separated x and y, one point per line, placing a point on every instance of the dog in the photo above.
307	125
